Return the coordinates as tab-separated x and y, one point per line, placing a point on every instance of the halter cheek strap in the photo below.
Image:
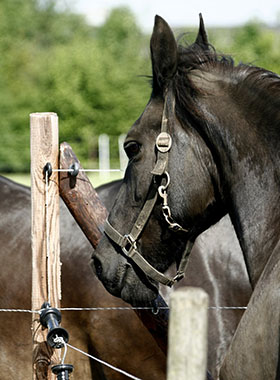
128	243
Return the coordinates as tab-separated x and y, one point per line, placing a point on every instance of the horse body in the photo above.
110	335
216	265
224	158
248	148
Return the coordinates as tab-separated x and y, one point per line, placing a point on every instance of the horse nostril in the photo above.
98	266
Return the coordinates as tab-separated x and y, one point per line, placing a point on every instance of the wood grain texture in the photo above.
187	334
81	198
89	212
45	269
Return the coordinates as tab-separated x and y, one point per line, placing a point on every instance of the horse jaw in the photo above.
119	278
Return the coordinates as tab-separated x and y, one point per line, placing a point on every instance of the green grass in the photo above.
24	179
96	179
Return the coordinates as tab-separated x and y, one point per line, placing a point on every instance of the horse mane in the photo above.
205	58
255	85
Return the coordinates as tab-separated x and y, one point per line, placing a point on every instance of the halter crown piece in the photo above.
128	243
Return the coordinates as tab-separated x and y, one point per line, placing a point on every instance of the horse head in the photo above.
170	192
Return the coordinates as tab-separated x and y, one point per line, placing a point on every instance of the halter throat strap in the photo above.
128	242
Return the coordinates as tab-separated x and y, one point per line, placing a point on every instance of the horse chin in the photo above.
126	284
138	295
136	292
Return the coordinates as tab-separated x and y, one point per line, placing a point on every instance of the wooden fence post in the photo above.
187	335
44	148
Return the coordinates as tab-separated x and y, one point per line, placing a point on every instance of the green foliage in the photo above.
253	44
53	61
92	83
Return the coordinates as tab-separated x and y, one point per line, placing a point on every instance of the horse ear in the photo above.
163	53
202	39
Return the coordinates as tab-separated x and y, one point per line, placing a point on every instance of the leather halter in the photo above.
128	243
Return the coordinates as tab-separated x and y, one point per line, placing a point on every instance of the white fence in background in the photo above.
104	154
122	155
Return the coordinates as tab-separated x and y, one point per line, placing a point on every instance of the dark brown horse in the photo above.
110	335
207	144
114	336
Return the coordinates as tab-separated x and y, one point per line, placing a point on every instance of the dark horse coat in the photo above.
223	120
114	336
110	335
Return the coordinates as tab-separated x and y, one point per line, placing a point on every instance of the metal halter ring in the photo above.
129	244
164	142
162	188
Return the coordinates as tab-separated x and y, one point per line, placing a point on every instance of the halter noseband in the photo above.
128	242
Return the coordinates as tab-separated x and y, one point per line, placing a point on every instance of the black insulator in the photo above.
155	307
51	318
47	169
62	371
74	169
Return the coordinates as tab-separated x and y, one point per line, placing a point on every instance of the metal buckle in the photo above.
164	142
178	276
129	245
175	227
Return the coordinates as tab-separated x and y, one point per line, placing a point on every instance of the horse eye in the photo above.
131	149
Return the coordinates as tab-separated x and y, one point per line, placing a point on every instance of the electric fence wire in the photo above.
103	362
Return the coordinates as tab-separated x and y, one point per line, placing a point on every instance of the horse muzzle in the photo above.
119	277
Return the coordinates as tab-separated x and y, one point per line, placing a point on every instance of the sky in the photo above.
184	12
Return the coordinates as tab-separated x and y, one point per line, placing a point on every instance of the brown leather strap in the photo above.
164	141
145	213
130	250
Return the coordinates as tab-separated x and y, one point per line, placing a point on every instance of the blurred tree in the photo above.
93	84
28	30
253	43
52	60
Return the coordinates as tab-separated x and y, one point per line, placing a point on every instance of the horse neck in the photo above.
248	166
252	201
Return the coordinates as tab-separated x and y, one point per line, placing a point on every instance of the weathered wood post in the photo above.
44	148
187	335
89	212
